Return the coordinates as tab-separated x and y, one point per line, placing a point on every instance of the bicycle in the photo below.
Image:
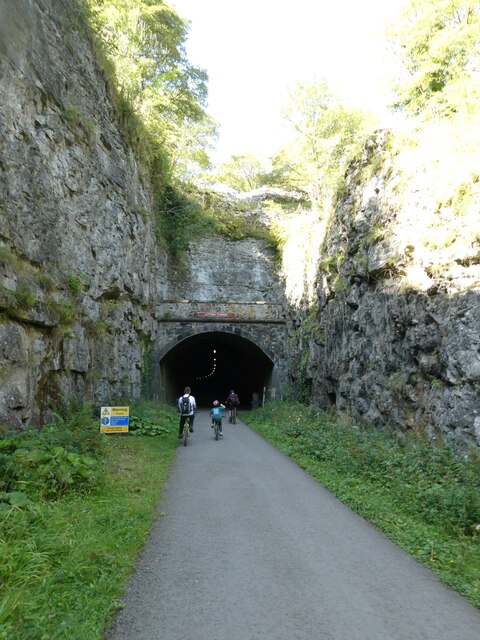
217	426
186	432
232	418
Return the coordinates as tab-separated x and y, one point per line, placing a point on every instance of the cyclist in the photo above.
186	407
232	403
216	413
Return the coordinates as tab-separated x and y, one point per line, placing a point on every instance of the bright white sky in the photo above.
254	50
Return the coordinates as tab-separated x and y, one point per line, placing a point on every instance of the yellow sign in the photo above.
119	411
114	419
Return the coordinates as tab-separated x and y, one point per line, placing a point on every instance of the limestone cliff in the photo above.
84	286
393	331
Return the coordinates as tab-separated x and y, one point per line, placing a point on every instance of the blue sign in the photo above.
118	421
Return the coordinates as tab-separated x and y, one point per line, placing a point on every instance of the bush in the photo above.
151	419
63	457
49	472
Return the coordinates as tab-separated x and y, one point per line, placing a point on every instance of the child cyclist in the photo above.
216	413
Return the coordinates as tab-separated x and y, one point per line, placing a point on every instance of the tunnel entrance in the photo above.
212	363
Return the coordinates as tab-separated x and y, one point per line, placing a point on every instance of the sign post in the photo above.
114	419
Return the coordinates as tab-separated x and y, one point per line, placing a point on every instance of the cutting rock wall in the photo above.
392	336
85	291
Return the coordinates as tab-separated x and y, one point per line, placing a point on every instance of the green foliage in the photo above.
374	234
422	495
330	264
177	216
65	562
301	385
438	44
45	281
96	328
24	297
55	461
7	257
50	472
340	284
146	371
75	283
72	114
161	95
195	214
328	135
152	419
361	264
65	313
145	427
242	173
189	150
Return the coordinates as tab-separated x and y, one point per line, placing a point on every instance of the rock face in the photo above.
76	254
84	288
396	333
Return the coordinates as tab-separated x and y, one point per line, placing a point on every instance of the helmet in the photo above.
216	403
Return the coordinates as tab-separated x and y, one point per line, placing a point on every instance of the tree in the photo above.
243	173
439	46
328	135
189	152
145	40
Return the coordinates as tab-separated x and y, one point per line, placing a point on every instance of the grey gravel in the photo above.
248	546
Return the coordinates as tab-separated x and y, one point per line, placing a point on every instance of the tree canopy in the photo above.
145	40
243	173
328	134
439	45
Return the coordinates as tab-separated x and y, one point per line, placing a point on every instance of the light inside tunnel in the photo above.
212	363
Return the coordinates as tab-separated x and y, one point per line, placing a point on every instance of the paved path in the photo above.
250	547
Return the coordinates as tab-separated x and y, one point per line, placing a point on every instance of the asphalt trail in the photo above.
250	547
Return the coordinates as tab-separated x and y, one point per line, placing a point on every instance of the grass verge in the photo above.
65	561
423	497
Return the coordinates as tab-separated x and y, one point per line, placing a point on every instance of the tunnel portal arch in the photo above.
213	360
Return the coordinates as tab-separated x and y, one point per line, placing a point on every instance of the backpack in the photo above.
185	405
233	399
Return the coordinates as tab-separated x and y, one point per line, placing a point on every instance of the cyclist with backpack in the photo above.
232	403
186	407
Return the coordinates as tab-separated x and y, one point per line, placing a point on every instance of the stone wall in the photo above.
226	286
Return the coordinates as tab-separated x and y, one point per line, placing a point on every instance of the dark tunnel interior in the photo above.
211	364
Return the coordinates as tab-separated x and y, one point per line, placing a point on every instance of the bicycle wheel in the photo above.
215	430
234	416
186	428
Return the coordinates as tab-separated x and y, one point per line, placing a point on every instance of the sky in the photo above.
256	50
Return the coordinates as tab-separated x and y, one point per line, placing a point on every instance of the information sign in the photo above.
114	419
